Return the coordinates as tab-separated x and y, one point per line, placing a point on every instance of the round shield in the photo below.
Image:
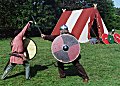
105	38
110	39
65	48
30	48
116	37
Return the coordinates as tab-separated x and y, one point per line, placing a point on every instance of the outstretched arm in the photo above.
48	37
22	33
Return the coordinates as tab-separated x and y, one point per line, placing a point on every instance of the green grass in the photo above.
101	62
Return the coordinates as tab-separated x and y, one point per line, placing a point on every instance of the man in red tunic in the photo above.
17	54
78	66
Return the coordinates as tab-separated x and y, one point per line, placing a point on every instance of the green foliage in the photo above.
107	12
7	13
117	22
102	63
16	13
117	11
117	18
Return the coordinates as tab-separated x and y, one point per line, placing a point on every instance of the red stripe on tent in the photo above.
63	19
92	17
100	25
95	14
81	22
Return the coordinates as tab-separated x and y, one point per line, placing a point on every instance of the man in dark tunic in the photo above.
78	66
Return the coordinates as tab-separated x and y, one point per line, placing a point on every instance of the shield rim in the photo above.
66	51
35	45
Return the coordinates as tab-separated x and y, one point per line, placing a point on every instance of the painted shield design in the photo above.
105	38
65	48
30	48
116	37
110	39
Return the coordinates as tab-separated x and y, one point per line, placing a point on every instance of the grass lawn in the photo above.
101	62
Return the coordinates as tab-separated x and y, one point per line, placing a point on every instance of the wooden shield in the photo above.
105	38
110	39
30	48
116	37
65	48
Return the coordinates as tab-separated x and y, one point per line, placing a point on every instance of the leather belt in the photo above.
18	52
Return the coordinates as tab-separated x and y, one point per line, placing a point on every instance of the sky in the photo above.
117	3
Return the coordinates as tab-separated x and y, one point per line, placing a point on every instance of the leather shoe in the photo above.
62	76
85	80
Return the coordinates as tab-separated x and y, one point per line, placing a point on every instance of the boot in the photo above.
61	70
7	70
81	71
27	71
86	80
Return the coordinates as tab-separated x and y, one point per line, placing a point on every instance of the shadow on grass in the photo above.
33	71
21	73
71	71
37	68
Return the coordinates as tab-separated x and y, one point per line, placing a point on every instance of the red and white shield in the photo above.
105	38
116	37
65	48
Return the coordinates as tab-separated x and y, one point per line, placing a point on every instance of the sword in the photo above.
36	25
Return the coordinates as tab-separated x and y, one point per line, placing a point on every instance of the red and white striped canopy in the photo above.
79	23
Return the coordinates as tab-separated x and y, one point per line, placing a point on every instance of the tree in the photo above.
117	18
117	11
16	13
107	12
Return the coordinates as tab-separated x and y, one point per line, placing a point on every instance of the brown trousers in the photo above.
77	65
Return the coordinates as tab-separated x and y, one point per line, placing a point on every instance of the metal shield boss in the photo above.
65	48
30	48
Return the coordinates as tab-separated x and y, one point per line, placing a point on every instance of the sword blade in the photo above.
36	25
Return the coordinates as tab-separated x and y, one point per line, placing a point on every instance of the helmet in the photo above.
64	27
113	30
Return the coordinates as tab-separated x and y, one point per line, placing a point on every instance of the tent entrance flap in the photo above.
94	30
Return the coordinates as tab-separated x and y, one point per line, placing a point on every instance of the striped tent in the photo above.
80	22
